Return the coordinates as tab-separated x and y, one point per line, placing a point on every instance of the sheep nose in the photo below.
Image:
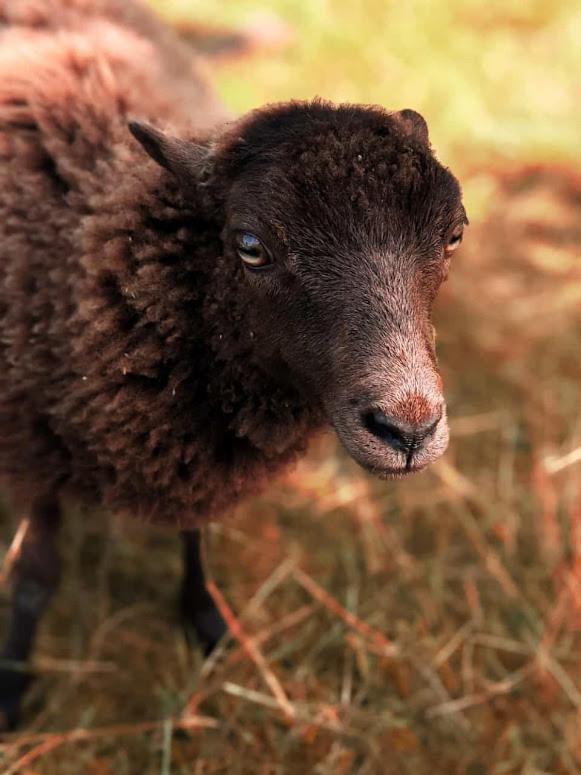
401	435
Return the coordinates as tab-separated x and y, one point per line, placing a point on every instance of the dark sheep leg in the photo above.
33	580
197	607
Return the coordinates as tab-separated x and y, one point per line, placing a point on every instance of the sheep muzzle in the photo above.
392	420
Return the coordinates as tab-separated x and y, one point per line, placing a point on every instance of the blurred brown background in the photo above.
429	625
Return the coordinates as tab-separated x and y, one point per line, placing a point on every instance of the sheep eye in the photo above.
454	241
251	251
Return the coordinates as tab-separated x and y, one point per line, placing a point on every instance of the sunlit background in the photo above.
426	626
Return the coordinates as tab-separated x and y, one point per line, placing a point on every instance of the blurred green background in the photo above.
492	78
462	651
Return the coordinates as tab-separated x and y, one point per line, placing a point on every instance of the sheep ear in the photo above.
413	124
185	159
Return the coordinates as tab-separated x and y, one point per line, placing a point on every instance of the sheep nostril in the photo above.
388	429
399	434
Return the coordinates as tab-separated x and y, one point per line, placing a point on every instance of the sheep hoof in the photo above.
12	687
9	714
206	624
210	628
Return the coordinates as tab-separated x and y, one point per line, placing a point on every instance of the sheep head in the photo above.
340	224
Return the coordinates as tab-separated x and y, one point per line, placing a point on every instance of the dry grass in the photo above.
429	625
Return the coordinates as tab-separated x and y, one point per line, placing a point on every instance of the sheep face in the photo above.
340	224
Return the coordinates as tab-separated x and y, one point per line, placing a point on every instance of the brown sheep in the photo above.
173	329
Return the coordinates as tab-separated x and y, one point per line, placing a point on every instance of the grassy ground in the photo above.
430	625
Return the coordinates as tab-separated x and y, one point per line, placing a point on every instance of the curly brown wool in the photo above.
111	312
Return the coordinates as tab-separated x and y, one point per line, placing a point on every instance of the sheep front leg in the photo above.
34	578
197	606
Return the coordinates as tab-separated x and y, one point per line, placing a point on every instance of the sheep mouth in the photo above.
386	472
392	473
